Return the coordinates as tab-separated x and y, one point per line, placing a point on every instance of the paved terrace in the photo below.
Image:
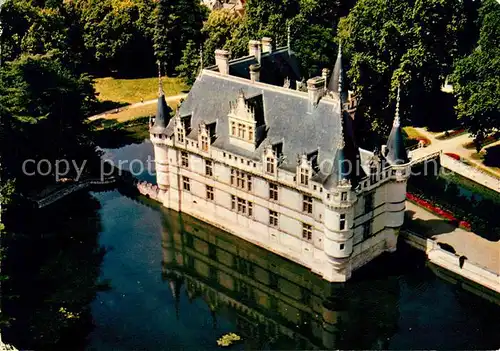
477	249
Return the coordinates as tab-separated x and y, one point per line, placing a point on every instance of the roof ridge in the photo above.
329	99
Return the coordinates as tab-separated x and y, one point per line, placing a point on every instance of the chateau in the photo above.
258	152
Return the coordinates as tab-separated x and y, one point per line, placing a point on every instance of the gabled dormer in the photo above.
180	130
203	138
242	123
270	161
304	171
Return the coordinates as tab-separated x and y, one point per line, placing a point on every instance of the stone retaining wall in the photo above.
435	254
469	172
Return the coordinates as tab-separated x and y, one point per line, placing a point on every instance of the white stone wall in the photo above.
322	252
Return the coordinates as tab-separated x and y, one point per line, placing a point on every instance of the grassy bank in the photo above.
130	91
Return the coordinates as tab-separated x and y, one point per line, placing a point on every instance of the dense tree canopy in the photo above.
43	108
177	23
409	44
477	77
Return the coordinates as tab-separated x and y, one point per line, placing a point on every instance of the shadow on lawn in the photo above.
427	228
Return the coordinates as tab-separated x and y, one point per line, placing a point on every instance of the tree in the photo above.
222	29
312	24
177	23
190	63
117	34
408	44
44	105
476	79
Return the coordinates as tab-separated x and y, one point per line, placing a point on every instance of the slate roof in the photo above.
162	115
276	66
288	118
396	152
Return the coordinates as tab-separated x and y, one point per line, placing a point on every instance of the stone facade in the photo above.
233	170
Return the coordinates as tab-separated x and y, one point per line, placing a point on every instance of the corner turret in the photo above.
162	110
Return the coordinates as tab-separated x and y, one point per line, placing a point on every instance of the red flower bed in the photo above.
438	211
425	141
452	155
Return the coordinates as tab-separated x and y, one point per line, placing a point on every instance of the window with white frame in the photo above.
204	143
209	168
184	159
307	204
210	193
273	191
306	231
241	206
273	218
241	179
186	184
180	134
343	196
270	165
304	176
342	221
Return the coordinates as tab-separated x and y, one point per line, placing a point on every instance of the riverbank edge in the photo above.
451	262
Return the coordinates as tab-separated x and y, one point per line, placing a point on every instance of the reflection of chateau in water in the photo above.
273	301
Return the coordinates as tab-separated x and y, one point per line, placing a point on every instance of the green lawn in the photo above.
132	90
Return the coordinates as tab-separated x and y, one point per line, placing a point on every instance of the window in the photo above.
241	206
209	168
270	165
180	135
273	218
367	230
185	184
241	180
342	246
233	128
184	159
342	221
204	143
306	231
373	175
210	193
368	202
273	191
307	204
304	176
250	133
343	196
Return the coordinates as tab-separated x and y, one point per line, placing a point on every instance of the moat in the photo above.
104	271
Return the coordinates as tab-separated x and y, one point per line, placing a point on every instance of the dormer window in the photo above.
204	143
242	123
203	137
180	134
269	158
304	176
270	165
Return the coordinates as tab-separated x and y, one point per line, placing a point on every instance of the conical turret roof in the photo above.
396	152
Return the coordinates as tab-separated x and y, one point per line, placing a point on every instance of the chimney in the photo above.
315	89
267	44
324	74
254	49
222	60
255	72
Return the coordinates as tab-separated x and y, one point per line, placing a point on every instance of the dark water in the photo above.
135	276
